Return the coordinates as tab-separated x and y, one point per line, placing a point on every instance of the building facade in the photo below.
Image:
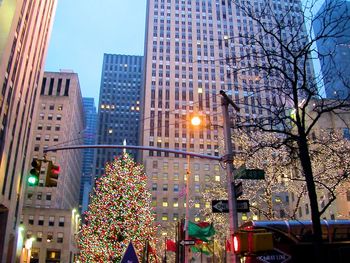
119	106
190	48
88	154
25	28
59	121
334	51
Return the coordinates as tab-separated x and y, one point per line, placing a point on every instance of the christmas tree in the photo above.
120	211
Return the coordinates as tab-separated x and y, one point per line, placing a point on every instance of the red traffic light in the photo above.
235	243
55	169
52	175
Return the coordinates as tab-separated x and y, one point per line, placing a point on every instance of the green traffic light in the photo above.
33	180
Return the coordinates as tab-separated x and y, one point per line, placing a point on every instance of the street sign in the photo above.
275	256
243	206
221	206
249	174
187	242
238	189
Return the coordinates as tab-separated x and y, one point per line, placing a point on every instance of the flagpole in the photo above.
165	259
225	255
188	174
177	253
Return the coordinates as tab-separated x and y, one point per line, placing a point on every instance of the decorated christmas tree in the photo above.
120	211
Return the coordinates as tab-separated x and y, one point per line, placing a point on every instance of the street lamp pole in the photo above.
232	200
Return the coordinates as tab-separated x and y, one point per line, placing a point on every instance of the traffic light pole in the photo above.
232	200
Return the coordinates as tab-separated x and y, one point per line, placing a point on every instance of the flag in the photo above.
170	245
202	247
228	246
152	252
130	255
202	233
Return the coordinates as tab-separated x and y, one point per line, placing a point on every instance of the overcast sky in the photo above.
85	29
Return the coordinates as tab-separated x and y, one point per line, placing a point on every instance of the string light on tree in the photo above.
120	212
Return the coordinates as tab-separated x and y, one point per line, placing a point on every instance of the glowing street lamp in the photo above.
195	121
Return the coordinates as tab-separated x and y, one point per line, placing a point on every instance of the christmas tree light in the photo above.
120	211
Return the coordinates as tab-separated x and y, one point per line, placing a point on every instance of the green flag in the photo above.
202	233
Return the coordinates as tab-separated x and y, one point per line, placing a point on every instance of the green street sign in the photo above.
249	174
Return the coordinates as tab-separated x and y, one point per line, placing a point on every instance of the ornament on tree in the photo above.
120	211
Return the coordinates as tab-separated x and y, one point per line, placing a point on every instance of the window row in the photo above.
38	236
51	220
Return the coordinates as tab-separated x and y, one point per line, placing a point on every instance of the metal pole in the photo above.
232	201
187	215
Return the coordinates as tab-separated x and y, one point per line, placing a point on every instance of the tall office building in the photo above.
334	51
25	28
119	106
88	154
50	213
187	46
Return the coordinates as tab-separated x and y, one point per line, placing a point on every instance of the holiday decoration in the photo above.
119	213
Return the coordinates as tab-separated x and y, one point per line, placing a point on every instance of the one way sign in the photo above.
221	206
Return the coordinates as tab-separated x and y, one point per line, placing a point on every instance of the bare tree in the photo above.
273	62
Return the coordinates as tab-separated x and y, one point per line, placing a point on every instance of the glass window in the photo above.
39	236
165	202
154	187
41	221
51	221
154	176
31	220
59	237
61	221
164	217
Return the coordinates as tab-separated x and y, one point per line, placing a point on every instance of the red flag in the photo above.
228	246
203	224
152	252
170	245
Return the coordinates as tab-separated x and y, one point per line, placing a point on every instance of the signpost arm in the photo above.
232	201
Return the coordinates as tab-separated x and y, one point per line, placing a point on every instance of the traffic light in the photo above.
240	242
33	178
52	174
252	241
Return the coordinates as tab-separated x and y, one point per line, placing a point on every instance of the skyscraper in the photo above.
50	213
119	106
90	116
25	28
334	49
191	51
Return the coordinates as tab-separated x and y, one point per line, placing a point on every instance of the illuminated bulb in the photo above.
196	121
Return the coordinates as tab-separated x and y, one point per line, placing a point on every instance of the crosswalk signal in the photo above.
52	174
33	178
252	241
240	242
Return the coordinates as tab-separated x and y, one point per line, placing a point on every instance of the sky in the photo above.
86	29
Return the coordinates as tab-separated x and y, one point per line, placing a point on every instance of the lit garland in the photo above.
120	211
